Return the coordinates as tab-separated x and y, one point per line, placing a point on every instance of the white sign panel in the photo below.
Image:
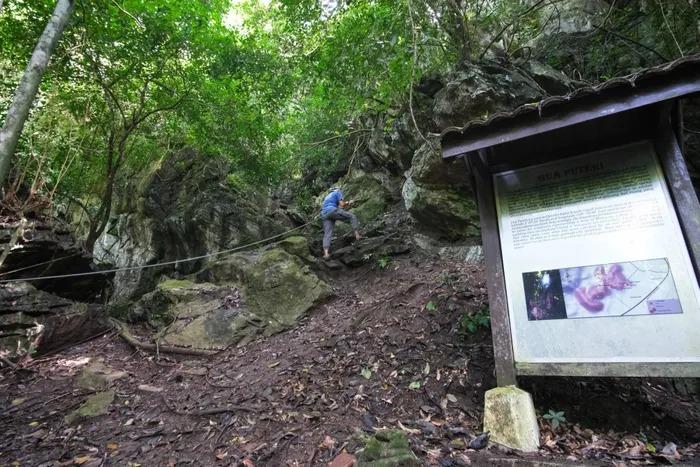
595	264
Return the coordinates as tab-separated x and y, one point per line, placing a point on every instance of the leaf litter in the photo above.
310	395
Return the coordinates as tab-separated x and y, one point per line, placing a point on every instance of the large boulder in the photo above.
181	208
34	322
447	212
438	195
198	315
479	91
46	247
281	288
240	297
552	81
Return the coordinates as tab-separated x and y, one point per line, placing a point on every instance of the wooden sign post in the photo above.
591	229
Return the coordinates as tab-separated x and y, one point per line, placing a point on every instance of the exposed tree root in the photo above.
133	341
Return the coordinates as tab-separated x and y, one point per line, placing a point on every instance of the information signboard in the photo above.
595	265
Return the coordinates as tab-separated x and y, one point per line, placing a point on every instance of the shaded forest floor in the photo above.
375	356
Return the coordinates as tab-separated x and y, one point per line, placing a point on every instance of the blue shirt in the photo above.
331	202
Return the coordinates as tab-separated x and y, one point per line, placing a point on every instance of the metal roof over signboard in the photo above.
660	83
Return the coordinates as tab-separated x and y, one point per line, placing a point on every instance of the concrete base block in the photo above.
509	415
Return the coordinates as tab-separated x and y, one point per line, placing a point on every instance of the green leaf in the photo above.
431	306
414	385
366	373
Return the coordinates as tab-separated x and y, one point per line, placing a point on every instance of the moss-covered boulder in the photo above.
246	294
213	329
198	315
447	212
296	246
281	288
173	299
94	406
388	449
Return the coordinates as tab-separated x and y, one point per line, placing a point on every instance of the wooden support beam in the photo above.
495	279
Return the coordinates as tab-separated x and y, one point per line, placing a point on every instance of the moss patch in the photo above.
388	449
94	406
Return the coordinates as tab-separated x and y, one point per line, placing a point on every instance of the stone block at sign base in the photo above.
510	417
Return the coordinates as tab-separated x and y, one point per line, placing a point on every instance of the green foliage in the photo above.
470	323
280	88
383	261
431	306
555	418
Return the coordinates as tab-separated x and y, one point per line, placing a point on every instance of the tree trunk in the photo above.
29	85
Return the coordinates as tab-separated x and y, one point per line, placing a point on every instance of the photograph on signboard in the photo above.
630	288
620	289
544	295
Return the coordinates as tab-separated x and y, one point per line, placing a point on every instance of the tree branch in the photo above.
136	20
536	5
344	135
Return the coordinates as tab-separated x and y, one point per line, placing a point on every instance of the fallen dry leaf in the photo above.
411	431
80	460
327	443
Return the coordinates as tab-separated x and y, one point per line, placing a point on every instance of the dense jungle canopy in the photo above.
281	88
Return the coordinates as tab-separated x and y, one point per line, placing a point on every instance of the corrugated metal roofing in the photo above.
630	81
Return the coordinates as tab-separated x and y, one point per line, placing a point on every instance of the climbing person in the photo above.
333	209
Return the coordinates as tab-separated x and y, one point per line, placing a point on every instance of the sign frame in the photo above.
655	116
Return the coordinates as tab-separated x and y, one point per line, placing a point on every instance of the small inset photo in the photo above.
543	295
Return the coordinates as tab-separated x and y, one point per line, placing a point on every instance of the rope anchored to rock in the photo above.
155	265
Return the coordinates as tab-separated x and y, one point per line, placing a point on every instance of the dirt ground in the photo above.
387	352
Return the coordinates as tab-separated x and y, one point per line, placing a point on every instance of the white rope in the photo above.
155	265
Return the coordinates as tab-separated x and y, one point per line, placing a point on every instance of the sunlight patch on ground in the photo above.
66	363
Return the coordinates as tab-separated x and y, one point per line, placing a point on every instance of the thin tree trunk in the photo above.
29	85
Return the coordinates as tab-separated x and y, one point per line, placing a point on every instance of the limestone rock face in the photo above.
480	91
183	207
32	320
372	193
247	294
573	16
552	81
49	244
438	195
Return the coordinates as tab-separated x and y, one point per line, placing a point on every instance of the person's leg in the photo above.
341	214
328	225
